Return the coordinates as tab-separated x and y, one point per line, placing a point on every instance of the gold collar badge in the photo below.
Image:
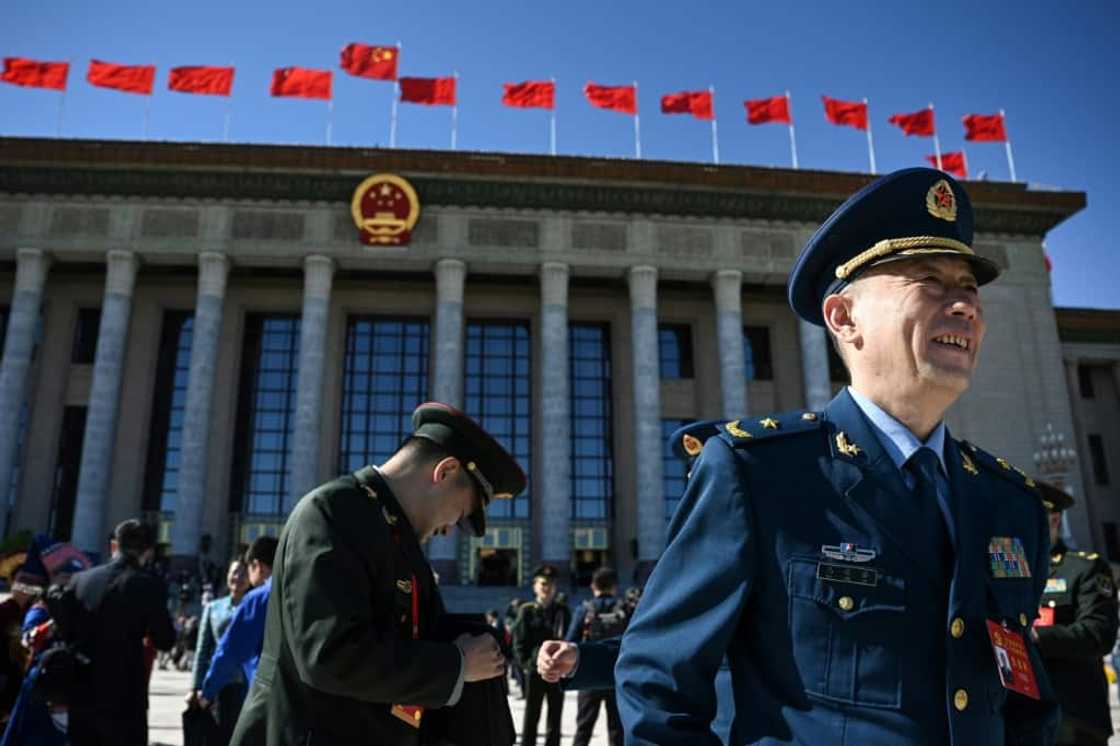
733	428
845	447
970	467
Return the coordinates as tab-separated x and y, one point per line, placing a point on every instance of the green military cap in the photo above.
1054	499
493	469
547	572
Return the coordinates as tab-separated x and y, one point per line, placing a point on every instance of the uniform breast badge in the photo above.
856	573
1007	558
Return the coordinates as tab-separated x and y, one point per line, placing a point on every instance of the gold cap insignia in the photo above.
845	447
692	445
733	428
941	202
769	423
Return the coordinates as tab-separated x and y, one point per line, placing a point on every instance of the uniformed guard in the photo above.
862	571
354	649
544	618
1076	628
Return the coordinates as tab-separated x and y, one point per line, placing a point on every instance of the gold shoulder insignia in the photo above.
1004	463
769	423
968	465
1092	556
692	445
389	517
733	428
404	586
846	448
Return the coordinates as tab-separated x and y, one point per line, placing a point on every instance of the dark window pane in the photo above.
674	349
1097	456
756	353
1085	381
169	403
674	471
590	391
85	336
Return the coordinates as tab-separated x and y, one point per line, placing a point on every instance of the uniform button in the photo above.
956	629
1023	619
1052	604
960	700
846	603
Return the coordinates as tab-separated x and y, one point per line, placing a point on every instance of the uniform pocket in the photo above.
846	635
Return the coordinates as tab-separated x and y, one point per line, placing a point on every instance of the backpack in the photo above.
609	621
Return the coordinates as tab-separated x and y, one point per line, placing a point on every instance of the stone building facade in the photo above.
195	332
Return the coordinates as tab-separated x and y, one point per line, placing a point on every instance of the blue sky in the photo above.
1051	68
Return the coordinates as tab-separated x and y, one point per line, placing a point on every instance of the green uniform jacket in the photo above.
338	647
1081	593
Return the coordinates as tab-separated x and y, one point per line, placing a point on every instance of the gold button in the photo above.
846	603
1023	619
960	700
956	629
1052	604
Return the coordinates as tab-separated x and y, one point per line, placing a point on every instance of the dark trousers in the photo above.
230	699
539	689
587	712
87	728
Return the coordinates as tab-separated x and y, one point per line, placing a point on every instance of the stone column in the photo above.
814	365
318	273
555	488
90	532
727	286
213	269
447	385
647	417
27	298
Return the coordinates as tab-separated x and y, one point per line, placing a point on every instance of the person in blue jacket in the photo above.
857	567
240	646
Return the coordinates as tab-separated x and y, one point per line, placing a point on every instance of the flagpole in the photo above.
229	114
330	120
637	126
455	115
552	122
61	103
1007	144
148	115
396	97
715	132
936	141
964	157
792	139
870	142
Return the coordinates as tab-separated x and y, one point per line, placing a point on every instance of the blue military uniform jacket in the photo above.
826	656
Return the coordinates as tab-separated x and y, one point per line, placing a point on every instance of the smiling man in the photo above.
352	650
859	568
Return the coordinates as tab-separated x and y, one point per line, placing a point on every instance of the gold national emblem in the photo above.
941	202
385	209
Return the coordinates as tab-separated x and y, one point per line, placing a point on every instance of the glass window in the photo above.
85	336
169	403
1097	456
498	396
674	349
756	353
266	414
589	365
1085	381
385	378
674	471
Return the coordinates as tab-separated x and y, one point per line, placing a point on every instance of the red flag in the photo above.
622	98
984	127
951	163
213	81
532	94
763	110
850	113
431	91
918	123
35	74
300	82
379	63
127	78
696	103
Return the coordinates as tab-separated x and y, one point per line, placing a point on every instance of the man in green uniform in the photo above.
546	618
353	651
1075	630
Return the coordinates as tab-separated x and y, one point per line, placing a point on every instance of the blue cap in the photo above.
908	213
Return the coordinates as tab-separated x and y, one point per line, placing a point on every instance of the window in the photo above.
674	349
266	414
1111	540
1096	456
65	493
674	471
161	480
589	364
85	336
756	353
1085	381
498	396
385	378
837	373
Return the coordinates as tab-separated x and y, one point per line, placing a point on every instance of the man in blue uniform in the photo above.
858	567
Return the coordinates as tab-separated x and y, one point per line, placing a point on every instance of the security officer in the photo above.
860	568
352	651
1075	630
544	618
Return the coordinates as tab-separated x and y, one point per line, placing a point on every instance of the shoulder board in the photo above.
749	430
1001	466
528	605
1090	556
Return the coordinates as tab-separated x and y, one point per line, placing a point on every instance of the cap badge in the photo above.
692	445
941	202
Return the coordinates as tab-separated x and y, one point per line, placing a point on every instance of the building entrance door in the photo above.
497	566
69	463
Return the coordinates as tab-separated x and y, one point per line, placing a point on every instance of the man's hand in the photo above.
192	698
557	659
203	702
481	657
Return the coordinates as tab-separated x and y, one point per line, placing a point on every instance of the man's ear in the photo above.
445	468
838	317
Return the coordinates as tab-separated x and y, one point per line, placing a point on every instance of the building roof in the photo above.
1093	325
303	173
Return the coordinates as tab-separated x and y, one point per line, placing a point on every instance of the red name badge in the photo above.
1045	617
1012	661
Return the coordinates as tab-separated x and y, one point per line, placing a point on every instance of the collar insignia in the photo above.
389	517
846	448
970	467
733	428
404	586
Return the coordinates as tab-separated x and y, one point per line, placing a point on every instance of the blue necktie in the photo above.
923	465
